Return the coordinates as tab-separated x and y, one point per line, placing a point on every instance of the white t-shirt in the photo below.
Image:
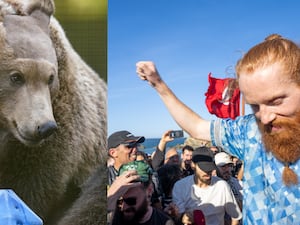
213	201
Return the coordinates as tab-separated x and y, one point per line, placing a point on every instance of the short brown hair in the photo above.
187	147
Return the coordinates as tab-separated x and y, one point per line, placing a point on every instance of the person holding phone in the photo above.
158	157
268	140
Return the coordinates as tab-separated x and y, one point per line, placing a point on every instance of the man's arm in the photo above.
159	155
187	119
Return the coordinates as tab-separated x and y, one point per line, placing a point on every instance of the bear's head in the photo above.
28	77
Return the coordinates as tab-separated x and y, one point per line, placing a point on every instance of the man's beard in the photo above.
226	176
205	180
139	213
284	144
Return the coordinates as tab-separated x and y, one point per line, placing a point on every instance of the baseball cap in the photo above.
143	169
204	158
222	158
121	137
14	211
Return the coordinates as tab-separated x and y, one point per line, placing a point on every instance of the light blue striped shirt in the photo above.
267	201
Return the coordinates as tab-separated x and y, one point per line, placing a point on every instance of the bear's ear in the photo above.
42	19
41	10
29	6
25	8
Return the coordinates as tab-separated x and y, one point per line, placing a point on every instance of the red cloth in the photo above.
222	97
199	218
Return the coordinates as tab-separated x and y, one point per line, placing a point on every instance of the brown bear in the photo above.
52	117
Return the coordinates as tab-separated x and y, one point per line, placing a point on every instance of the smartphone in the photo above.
176	134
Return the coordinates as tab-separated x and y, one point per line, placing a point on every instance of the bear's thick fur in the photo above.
90	208
52	117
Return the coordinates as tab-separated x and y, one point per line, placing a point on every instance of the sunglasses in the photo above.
130	144
129	201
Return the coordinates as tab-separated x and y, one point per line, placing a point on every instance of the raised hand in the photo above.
147	71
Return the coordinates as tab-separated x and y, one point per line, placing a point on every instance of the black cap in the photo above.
204	158
121	137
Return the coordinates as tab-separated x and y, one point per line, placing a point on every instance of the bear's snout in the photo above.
46	129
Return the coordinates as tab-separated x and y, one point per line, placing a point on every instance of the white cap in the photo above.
222	158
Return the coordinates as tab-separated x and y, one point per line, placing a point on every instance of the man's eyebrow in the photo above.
267	101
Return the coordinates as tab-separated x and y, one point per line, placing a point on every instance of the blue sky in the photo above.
186	39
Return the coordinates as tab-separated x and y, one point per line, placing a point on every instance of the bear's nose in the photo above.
46	129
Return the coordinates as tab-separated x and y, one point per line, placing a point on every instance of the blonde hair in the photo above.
274	49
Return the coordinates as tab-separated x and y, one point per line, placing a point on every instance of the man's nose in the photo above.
266	115
134	150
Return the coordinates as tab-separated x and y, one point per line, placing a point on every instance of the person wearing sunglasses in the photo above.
122	148
133	206
120	186
266	140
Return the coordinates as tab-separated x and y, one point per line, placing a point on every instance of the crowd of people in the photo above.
177	184
266	141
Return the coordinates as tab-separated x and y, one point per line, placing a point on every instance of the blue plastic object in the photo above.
13	211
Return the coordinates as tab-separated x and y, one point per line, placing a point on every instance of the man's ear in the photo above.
112	152
150	189
193	166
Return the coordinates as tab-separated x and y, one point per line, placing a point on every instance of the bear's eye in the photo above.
17	78
51	79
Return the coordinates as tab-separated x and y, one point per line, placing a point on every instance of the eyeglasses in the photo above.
130	144
129	201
